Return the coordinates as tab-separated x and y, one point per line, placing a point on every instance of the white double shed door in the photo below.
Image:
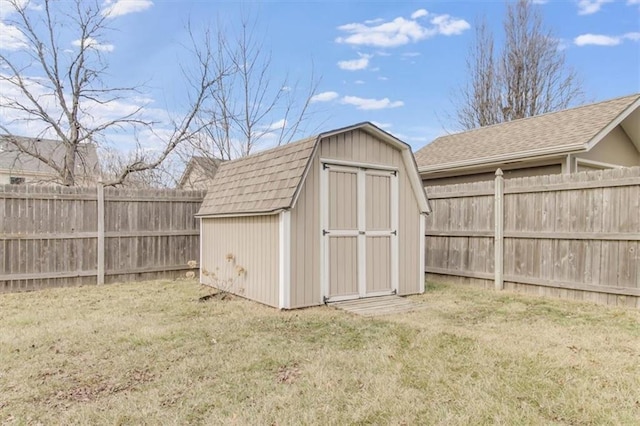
359	217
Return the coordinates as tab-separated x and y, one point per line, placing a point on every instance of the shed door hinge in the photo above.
324	232
394	232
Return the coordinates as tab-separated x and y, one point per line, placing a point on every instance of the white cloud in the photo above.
6	8
359	82
447	25
355	64
410	54
373	21
92	114
93	43
419	14
383	78
401	31
588	7
632	36
604	40
371	104
124	7
632	2
597	40
540	1
278	125
11	38
324	97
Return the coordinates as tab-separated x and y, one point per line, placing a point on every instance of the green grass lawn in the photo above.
152	353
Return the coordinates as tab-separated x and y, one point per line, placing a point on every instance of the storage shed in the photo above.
333	217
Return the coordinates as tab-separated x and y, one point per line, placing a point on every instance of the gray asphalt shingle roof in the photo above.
268	182
13	160
566	128
263	182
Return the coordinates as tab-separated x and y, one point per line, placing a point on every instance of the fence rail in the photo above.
56	236
575	236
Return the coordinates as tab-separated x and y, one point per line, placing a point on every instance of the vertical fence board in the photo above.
49	235
565	235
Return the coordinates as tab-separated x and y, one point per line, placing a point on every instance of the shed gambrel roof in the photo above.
551	133
260	183
268	182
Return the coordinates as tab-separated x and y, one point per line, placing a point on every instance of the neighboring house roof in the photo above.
15	161
208	167
570	130
269	181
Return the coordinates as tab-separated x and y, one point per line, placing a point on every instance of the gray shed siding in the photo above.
409	237
253	244
360	147
305	242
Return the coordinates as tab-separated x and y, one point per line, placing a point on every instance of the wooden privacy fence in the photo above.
58	236
574	236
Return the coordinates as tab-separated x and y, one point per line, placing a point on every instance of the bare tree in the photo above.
114	161
479	103
248	105
529	77
60	85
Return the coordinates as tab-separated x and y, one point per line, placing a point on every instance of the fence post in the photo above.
499	231
100	212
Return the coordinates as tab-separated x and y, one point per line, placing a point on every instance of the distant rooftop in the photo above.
11	159
568	129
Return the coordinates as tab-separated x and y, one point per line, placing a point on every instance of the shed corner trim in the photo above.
415	180
422	251
284	260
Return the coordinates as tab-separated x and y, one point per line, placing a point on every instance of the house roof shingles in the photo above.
260	183
566	128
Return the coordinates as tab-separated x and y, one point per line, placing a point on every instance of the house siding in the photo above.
195	179
489	174
616	148
253	242
43	179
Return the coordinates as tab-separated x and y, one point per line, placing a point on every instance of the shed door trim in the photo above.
361	231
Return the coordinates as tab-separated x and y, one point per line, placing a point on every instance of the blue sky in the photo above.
394	63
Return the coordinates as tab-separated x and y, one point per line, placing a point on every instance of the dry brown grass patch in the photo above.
152	353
